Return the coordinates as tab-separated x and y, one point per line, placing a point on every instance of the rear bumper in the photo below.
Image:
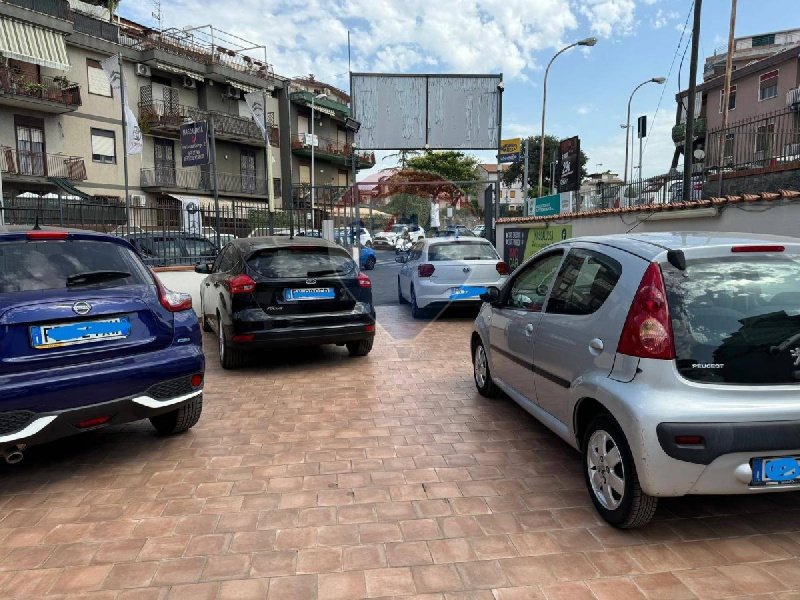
46	427
317	335
437	294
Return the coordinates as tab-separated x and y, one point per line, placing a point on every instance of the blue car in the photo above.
367	258
89	337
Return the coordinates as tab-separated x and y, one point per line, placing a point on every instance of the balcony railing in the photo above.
95	27
793	99
331	147
54	89
54	8
196	179
157	114
15	162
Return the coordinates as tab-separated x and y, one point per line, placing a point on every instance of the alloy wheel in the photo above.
479	365
221	338
606	471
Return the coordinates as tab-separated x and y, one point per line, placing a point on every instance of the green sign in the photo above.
547	206
520	243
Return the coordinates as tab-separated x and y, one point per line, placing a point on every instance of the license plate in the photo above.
85	332
466	291
776	470
290	295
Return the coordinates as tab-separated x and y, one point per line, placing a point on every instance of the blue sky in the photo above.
588	89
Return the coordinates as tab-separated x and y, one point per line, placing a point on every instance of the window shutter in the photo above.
102	145
98	82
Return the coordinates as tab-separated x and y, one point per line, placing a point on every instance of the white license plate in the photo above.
84	332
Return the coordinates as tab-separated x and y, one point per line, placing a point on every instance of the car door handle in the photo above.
529	329
596	345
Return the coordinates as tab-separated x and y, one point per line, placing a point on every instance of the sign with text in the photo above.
510	150
547	206
568	171
520	243
194	144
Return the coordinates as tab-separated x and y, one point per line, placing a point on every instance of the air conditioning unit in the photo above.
233	93
138	201
189	83
142	70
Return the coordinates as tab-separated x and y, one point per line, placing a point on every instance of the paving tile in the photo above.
436	578
342	586
407	554
389	582
319	560
359	558
244	589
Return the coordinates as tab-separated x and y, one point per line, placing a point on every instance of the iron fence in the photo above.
95	27
194	179
660	189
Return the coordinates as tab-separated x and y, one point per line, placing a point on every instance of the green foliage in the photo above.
408	205
449	165
513	172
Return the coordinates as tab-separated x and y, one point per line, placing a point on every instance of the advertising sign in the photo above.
568	171
520	243
641	126
510	150
194	144
547	206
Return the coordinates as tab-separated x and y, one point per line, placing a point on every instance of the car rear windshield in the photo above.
737	319
302	261
51	265
462	251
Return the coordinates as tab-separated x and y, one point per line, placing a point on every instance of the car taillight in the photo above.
758	248
46	235
648	332
364	281
241	284
502	268
197	379
425	270
172	301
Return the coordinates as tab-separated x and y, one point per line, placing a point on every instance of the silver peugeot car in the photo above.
671	361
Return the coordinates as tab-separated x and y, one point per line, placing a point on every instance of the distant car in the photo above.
166	248
387	240
668	360
274	292
367	258
90	338
455	231
345	236
224	238
438	272
478	230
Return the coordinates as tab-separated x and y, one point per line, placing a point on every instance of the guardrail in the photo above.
31	85
22	163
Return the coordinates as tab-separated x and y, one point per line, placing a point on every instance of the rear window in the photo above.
302	261
462	251
737	320
52	265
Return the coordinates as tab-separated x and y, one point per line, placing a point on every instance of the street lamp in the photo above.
587	42
659	81
314	99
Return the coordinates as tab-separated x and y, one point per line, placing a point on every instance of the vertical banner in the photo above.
192	218
194	144
111	67
255	102
568	170
435	221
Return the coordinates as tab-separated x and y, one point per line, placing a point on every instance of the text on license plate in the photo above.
776	470
466	291
308	294
85	332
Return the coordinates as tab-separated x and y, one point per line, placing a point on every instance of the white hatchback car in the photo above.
443	271
671	361
388	239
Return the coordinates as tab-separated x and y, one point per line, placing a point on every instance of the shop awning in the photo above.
179	71
65	185
32	44
243	86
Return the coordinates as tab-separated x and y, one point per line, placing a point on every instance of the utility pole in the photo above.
122	96
688	155
214	189
268	166
525	172
726	94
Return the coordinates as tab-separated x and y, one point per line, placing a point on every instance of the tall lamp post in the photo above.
587	42
659	81
314	99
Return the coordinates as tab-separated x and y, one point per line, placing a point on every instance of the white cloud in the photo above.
585	109
610	17
663	18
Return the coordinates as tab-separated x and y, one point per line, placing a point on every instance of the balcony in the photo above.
35	166
323	105
158	117
332	151
54	95
54	8
95	27
172	179
793	99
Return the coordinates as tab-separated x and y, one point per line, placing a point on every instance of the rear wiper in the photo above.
90	277
325	272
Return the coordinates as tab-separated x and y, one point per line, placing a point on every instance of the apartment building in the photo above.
61	123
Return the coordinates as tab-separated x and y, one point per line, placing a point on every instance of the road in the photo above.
384	278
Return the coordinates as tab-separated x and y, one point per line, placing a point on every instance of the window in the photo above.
247	163
98	81
584	282
727	150
731	101
763	40
530	287
302	124
342	178
103	146
305	173
224	261
30	146
303	261
764	135
276	187
462	251
416	251
768	85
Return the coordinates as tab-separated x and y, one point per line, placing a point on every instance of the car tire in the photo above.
369	264
416	311
604	444
368	245
360	347
229	358
400	298
481	373
179	420
204	323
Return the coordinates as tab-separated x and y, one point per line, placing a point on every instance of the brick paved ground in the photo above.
324	477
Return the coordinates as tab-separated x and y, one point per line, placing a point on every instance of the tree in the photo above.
514	171
449	165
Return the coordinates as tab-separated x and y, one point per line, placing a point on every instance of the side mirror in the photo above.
401	258
204	268
492	295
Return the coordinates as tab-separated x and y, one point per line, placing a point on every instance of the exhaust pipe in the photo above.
13	455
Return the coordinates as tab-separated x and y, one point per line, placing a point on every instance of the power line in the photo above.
671	66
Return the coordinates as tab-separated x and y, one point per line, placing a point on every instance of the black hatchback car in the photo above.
271	292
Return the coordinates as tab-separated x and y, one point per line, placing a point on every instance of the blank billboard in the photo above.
399	112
